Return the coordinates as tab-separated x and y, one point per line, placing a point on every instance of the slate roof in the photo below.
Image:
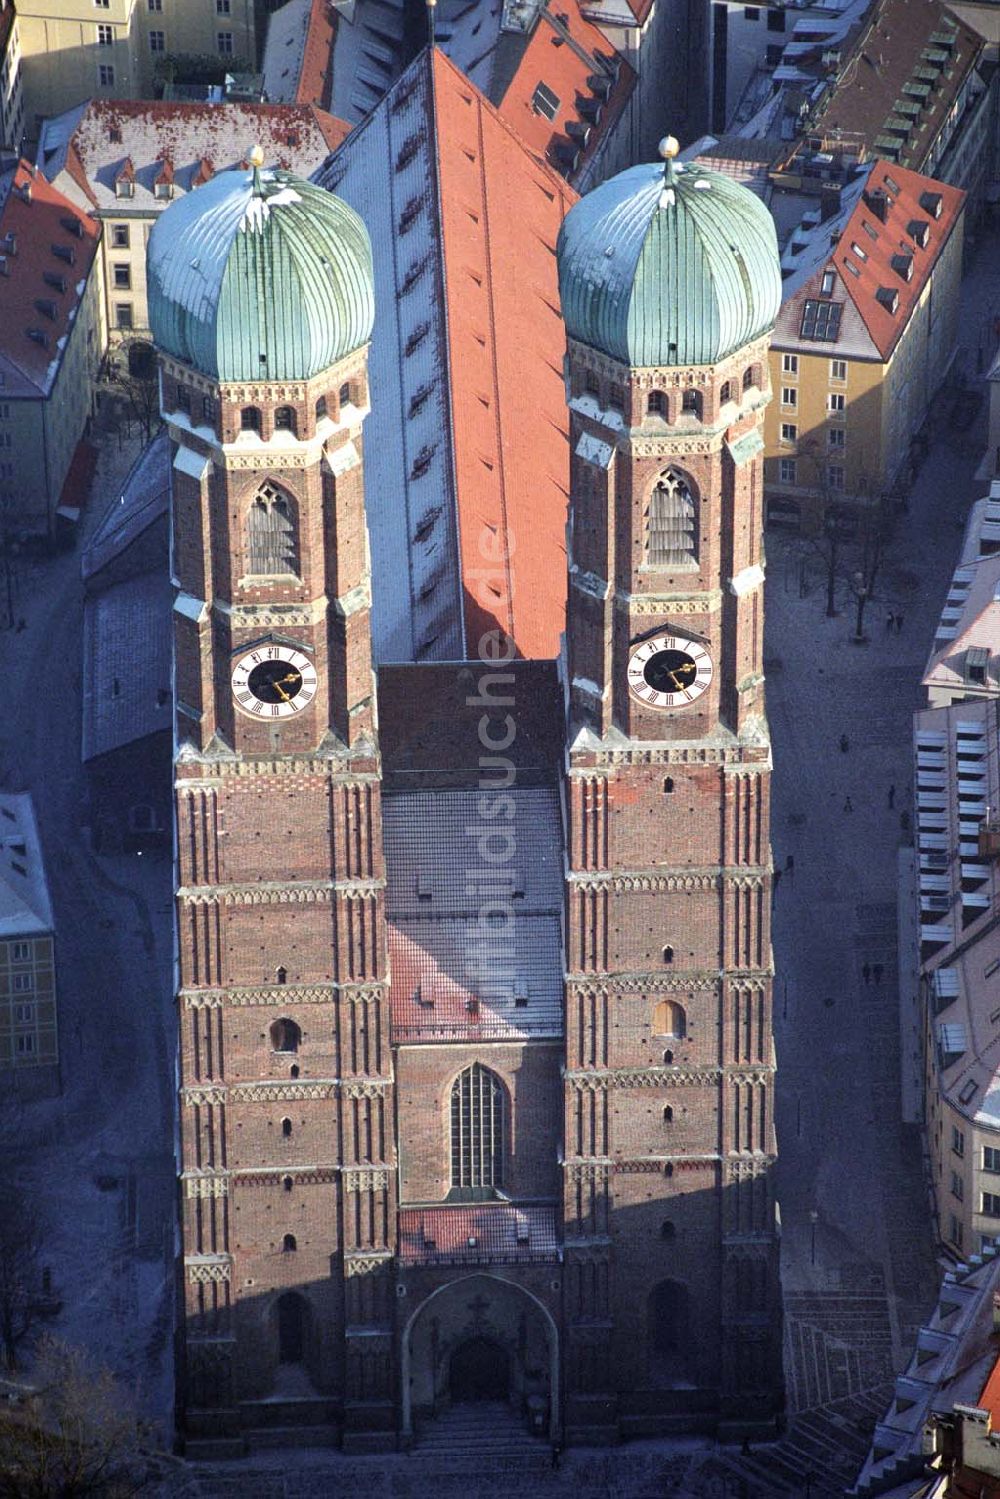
871	260
591	84
85	150
466	449
144	499
24	896
469	938
126	664
50	248
502	1234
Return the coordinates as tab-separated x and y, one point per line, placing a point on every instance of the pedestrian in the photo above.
892	797
866	972
890	620
790	864
774	881
877	973
848	805
556	1455
845	744
899	624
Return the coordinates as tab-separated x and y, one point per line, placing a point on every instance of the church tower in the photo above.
261	304
670	285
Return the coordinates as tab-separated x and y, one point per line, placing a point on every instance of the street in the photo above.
97	1159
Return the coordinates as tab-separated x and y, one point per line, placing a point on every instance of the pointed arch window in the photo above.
272	545
671	539
478	1131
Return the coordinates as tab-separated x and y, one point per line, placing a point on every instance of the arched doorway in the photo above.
292	1314
450	1335
669	1340
479	1370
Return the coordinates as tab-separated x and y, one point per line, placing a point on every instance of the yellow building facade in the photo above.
867	332
73	50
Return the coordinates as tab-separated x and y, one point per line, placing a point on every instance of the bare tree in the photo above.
20	1244
139	385
827	541
873	538
71	1434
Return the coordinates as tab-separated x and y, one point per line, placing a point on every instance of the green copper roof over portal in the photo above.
668	264
260	275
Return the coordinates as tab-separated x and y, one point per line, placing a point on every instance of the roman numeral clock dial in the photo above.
669	671
273	682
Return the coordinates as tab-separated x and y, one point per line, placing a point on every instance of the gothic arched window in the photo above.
478	1126
271	542
691	403
284	419
670	522
656	404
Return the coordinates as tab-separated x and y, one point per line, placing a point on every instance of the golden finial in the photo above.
668	149
256	157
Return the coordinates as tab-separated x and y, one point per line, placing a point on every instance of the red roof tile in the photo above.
489	1233
571	58
500	215
53	238
893	246
989	1400
316	75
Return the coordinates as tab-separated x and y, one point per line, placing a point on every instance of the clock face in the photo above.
668	671
273	681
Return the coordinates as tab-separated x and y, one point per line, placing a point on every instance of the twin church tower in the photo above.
402	1187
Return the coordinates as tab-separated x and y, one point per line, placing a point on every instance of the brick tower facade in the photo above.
286	1108
672	1304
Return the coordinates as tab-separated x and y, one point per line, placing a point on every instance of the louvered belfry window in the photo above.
477	1130
670	522
271	541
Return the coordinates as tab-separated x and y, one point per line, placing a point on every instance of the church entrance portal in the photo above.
291	1328
479	1370
485	1339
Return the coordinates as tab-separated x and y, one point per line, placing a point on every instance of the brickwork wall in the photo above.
286	1103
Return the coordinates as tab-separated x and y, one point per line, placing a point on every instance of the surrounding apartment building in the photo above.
11	92
51	337
124	163
910	84
867	330
29	1049
957	878
945	1403
73	49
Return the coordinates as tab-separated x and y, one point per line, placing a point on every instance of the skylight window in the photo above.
545	102
820	320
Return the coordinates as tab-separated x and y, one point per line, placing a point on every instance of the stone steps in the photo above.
267	1438
480	1431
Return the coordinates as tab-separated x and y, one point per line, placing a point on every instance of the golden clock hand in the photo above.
673	677
284	694
293	676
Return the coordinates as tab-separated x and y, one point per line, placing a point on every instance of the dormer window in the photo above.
828	283
124	187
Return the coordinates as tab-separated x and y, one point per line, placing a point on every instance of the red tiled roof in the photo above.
565	53
892	246
316	75
500	214
40	219
989	1400
501	1234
